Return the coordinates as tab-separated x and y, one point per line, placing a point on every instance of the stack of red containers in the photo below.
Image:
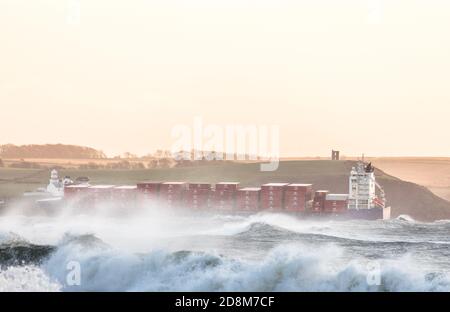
225	195
198	196
125	196
319	201
171	194
148	190
77	194
248	199
298	197
100	194
272	196
336	203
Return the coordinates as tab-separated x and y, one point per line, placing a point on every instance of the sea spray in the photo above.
292	267
26	279
157	250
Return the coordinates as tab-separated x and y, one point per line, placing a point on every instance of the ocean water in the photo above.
156	250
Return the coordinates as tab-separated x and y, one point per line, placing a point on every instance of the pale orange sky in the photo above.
367	76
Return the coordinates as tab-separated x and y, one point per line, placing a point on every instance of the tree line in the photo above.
61	151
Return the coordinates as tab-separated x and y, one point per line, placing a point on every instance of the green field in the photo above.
404	197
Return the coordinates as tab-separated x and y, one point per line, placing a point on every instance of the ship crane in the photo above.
382	200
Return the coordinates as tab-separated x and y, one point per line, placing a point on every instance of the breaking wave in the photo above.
26	279
405	218
234	253
292	267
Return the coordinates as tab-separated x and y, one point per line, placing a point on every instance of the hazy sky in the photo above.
361	76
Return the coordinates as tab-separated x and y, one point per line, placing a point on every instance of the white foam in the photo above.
291	267
405	218
26	279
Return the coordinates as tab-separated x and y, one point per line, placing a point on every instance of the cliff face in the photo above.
415	201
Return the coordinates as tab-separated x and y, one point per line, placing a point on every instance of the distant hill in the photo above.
60	151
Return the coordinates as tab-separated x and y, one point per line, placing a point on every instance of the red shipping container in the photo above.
317	207
223	199
299	187
248	199
272	204
149	189
152	186
319	201
125	196
148	192
295	202
275	197
198	196
75	191
171	194
227	186
197	203
272	196
172	187
336	203
77	195
200	186
273	187
298	197
335	206
306	189
298	206
100	194
321	194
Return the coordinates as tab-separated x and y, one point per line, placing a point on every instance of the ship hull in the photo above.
369	214
376	213
361	214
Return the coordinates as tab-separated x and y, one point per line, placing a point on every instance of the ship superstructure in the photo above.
55	186
363	188
366	196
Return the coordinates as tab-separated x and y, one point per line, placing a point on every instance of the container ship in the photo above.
365	200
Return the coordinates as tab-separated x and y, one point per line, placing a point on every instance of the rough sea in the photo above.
155	250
